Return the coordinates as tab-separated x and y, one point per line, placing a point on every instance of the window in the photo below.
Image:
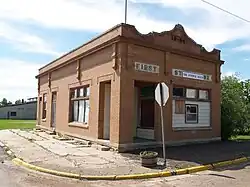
80	104
191	93
44	106
179	107
191	113
178	92
203	94
12	113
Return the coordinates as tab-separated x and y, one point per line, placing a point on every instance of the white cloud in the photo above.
245	47
218	27
99	15
228	73
24	41
18	82
247	59
239	75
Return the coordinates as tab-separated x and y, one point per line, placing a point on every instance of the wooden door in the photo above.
147	113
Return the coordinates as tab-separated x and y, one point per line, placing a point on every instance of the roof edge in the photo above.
12	105
90	41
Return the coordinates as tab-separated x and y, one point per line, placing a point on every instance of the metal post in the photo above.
126	9
162	128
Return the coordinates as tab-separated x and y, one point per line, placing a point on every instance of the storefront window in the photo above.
191	93
203	94
178	92
191	113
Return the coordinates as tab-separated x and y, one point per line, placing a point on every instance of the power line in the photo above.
226	11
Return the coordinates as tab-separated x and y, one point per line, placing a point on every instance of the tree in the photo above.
19	101
235	106
246	90
4	102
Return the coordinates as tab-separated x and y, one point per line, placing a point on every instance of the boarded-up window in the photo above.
179	106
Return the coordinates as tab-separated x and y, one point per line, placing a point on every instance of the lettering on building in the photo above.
191	75
150	68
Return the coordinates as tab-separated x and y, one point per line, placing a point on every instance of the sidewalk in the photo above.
41	149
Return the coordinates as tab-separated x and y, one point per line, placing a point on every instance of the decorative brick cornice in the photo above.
176	39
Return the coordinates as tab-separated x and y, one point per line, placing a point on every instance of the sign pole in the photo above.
161	97
126	10
162	127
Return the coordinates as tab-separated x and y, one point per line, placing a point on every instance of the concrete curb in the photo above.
20	162
194	169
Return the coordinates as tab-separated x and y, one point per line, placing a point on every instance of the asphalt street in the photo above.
14	176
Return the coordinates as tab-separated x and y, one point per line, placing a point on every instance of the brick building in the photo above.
104	90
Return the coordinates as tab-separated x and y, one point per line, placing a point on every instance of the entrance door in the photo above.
147	113
53	110
106	129
39	110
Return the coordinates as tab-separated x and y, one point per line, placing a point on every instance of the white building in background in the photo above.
24	110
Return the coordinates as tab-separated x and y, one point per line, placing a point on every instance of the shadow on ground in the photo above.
196	154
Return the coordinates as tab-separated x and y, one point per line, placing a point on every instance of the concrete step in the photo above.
50	132
101	147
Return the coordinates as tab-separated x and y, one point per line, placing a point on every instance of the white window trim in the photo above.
193	97
86	93
197	118
200	90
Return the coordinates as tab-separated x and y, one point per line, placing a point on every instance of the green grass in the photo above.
241	138
17	124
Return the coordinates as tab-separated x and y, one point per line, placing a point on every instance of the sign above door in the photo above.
150	68
191	75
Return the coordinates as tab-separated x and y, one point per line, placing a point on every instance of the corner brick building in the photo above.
103	91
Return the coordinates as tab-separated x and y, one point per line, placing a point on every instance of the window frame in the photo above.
197	98
179	87
208	94
44	106
76	96
195	91
13	112
197	114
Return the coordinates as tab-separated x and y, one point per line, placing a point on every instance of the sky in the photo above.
35	32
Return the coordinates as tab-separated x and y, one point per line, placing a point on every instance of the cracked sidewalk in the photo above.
41	149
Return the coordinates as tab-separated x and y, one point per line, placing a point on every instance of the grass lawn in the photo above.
241	138
17	124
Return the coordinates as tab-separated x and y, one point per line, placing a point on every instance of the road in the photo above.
14	176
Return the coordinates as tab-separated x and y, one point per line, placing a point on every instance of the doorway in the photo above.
147	113
39	110
53	110
145	110
106	124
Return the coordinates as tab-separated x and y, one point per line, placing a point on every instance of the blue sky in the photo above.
33	33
